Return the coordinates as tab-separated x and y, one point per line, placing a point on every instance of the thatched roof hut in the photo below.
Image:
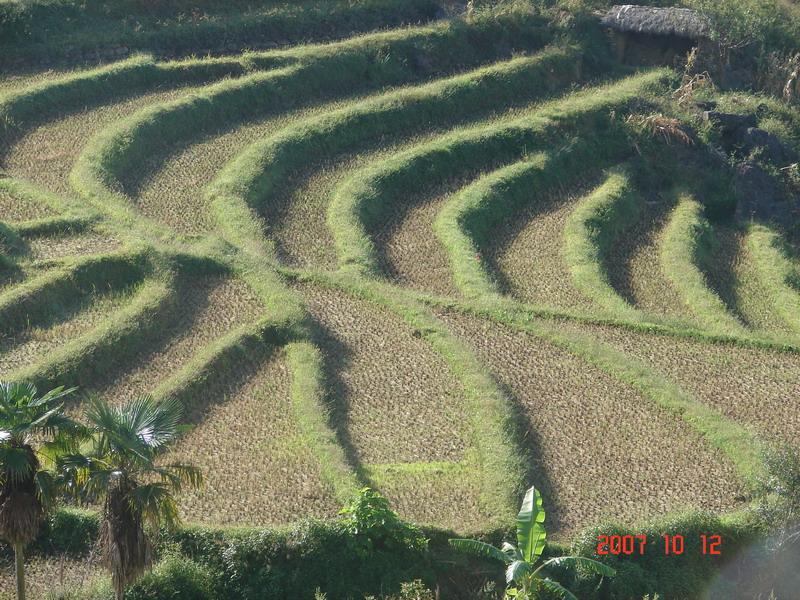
679	22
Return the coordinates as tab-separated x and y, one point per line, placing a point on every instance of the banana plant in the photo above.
525	569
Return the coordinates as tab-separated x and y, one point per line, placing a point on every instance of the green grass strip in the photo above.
333	70
683	247
446	42
10	240
258	171
48	226
469	272
33	104
313	418
33	301
291	23
736	442
362	199
777	272
116	340
589	232
70	215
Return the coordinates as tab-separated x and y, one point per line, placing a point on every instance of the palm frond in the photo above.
154	423
18	463
53	395
47	488
180	475
13	393
156	504
478	548
517	570
114	432
588	564
557	589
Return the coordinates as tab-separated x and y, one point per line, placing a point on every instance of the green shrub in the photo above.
654	572
414	590
293	563
68	531
761	24
374	526
174	578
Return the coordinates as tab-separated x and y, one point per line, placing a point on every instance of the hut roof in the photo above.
681	22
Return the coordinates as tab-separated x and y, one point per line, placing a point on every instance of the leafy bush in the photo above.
371	544
763	24
414	590
175	578
654	572
374	526
779	492
68	531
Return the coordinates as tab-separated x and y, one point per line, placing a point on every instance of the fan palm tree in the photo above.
120	464
525	571
27	485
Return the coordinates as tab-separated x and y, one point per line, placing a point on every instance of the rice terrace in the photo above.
333	287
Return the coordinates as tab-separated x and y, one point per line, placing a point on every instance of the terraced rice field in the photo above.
297	215
32	344
581	424
206	309
14	208
734	274
538	232
45	156
386	378
248	413
634	267
79	244
751	386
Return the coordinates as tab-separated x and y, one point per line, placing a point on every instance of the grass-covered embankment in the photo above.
362	199
685	245
36	30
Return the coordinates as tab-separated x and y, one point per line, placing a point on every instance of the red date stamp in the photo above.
627	545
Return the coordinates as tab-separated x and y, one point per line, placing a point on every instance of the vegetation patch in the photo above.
591	231
774	270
